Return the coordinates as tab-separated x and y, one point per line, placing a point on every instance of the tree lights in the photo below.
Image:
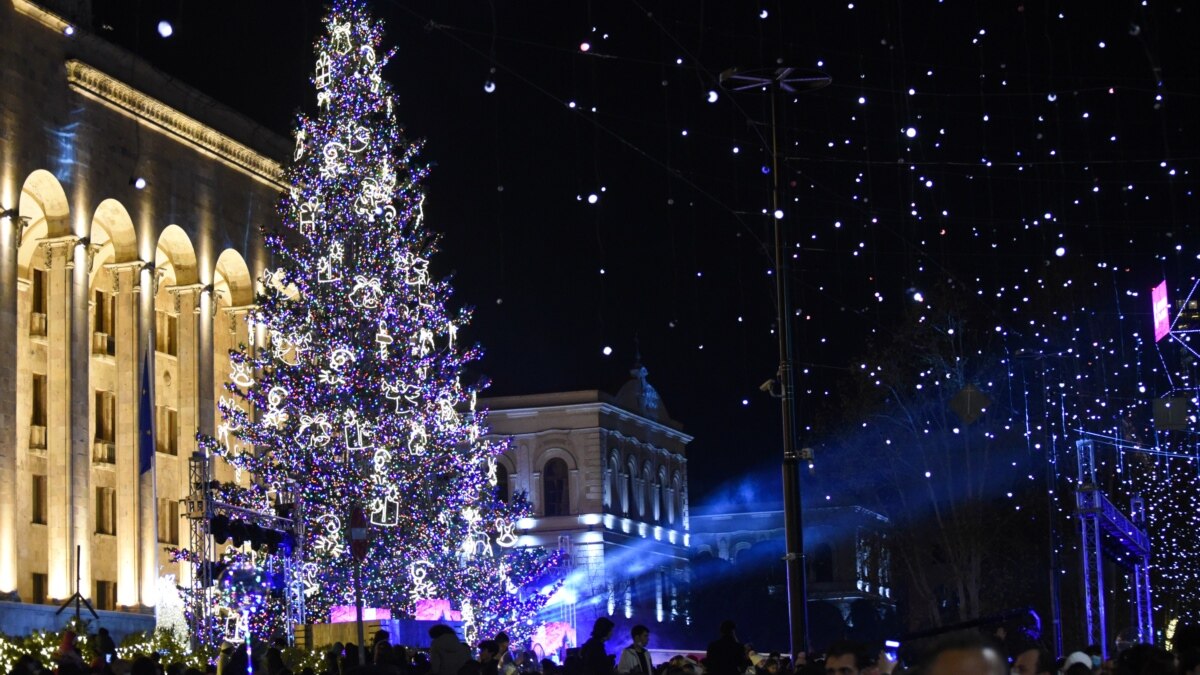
357	399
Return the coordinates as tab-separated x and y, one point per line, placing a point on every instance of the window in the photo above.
37	313
631	503
102	324
39	588
166	333
663	497
39	499
39	291
501	482
555	488
166	430
106	416
38	413
168	521
106	594
106	510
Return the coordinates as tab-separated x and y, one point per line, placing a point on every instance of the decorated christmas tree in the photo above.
353	396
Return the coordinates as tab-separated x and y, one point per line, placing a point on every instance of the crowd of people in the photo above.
968	653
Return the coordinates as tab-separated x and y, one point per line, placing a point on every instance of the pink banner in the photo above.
1162	311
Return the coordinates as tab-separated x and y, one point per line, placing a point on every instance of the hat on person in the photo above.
1077	657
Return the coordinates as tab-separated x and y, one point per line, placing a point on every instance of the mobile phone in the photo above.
891	648
108	658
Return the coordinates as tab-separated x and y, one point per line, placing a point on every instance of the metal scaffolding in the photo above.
201	508
1127	545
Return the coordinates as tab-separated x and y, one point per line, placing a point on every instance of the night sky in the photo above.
964	141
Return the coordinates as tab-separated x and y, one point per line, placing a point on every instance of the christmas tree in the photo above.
356	397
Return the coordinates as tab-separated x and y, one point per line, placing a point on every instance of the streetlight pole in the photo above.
791	81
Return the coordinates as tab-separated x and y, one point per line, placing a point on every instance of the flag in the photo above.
146	415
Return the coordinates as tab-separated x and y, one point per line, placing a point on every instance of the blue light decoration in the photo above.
347	390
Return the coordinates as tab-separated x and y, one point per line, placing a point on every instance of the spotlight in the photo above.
778	214
607	351
911	132
165	29
69	30
138	182
489	86
712	96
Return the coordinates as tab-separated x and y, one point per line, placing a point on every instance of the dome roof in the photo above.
639	396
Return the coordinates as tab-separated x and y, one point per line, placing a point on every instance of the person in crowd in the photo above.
105	646
1030	659
726	656
487	663
634	658
847	658
1144	659
505	663
594	658
447	653
965	654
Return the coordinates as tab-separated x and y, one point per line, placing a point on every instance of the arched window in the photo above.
555	494
614	479
663	496
634	503
502	482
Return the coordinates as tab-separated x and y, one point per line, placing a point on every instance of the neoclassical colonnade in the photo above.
85	304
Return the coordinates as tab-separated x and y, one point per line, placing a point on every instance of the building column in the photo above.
147	481
59	526
82	525
187	305
8	407
128	346
206	313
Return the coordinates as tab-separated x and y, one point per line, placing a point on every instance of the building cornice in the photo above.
46	18
125	99
592	407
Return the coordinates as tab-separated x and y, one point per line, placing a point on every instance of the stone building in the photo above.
129	239
607	479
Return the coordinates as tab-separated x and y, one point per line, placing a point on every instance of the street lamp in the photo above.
791	81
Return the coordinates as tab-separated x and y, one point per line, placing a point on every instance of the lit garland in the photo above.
358	393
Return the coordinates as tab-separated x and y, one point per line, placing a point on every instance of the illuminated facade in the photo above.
607	478
99	276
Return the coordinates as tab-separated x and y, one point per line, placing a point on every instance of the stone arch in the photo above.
112	240
647	492
612	488
633	505
232	283
233	291
44	414
112	234
176	255
43	199
675	503
737	549
548	452
43	202
661	494
556	487
176	287
506	467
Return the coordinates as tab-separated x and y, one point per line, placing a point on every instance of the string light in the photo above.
349	414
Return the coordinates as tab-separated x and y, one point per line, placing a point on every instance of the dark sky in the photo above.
1037	125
